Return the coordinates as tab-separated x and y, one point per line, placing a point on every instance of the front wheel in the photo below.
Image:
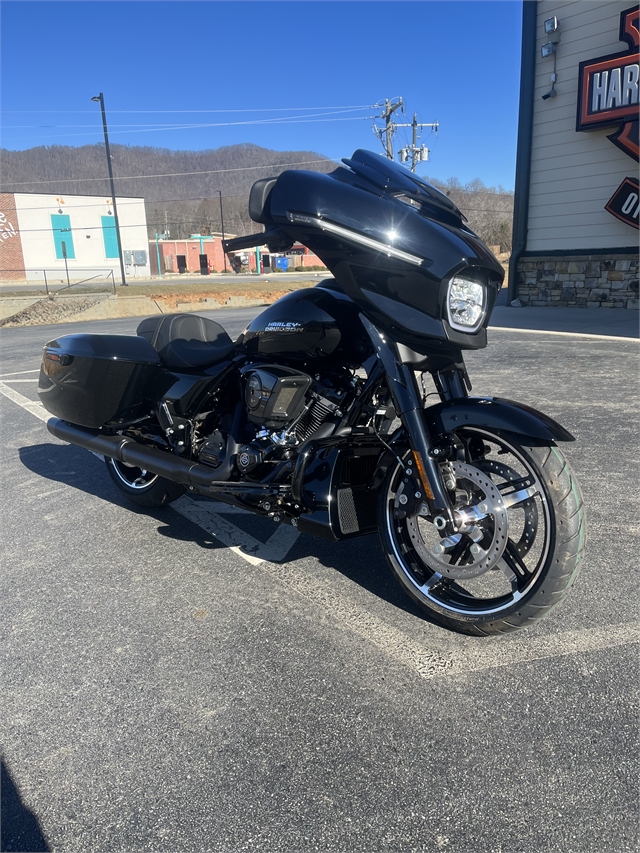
520	541
142	487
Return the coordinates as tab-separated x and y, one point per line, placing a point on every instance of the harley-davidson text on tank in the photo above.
283	327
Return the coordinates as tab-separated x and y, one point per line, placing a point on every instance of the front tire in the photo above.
522	540
141	487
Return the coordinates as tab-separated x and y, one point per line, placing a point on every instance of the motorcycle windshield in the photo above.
395	179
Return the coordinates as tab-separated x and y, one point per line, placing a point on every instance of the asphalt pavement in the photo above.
193	679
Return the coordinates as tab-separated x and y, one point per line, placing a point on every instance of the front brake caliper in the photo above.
409	496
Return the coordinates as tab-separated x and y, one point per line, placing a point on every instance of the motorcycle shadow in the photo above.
72	466
360	560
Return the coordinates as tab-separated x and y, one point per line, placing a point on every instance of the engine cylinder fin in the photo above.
312	420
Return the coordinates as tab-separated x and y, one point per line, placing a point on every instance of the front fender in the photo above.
496	414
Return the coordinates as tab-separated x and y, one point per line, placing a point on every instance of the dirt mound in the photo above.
50	310
174	301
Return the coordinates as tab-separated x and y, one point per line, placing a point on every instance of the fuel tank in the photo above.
314	323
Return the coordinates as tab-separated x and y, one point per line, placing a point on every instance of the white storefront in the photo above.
48	235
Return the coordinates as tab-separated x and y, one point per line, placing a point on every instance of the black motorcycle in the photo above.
318	415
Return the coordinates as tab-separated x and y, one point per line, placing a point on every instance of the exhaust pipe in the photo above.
132	453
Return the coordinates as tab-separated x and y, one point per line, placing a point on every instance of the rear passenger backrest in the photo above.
259	198
166	328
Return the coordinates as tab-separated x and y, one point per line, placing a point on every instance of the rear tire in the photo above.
143	488
514	565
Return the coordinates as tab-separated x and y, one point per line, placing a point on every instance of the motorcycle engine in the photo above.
290	407
275	396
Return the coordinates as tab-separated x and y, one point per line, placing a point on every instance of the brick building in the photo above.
184	255
575	235
175	256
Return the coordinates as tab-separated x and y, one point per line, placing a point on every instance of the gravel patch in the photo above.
50	310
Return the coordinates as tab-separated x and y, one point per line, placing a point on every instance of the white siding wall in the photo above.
573	175
85	212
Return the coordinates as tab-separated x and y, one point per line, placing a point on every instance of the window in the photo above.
110	237
61	225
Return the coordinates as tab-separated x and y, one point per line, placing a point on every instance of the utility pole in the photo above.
389	125
222	226
421	154
413	152
100	99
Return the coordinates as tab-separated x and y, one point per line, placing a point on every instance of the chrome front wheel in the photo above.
520	538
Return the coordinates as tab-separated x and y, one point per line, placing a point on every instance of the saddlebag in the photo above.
93	380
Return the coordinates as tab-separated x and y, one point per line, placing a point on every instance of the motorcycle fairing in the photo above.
392	242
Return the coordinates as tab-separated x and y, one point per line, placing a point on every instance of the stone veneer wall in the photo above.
587	281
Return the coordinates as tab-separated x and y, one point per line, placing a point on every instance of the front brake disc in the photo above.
427	541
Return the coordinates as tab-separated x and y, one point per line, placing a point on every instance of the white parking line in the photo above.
565	334
18	373
252	550
475	654
34	408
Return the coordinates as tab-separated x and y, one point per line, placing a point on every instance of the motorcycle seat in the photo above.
186	341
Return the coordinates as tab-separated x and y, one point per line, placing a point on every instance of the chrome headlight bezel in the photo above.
471	293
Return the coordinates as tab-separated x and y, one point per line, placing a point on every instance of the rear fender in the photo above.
498	415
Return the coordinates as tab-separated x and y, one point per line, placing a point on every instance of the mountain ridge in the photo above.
183	190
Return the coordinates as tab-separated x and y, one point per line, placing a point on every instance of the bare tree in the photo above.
489	210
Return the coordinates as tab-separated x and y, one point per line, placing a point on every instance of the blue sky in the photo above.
283	75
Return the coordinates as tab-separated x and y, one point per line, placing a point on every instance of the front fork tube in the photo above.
408	404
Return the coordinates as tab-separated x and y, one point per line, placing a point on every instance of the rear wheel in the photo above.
142	487
521	535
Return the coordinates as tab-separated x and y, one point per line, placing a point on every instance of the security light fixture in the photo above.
549	49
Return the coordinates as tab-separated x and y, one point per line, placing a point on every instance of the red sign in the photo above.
608	88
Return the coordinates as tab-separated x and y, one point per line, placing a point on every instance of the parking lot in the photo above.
197	679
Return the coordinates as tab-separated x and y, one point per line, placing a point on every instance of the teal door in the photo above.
61	225
110	237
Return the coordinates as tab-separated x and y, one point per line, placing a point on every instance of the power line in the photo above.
177	174
123	202
272	121
283	120
77	228
252	110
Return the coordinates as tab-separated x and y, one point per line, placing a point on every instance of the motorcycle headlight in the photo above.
466	303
